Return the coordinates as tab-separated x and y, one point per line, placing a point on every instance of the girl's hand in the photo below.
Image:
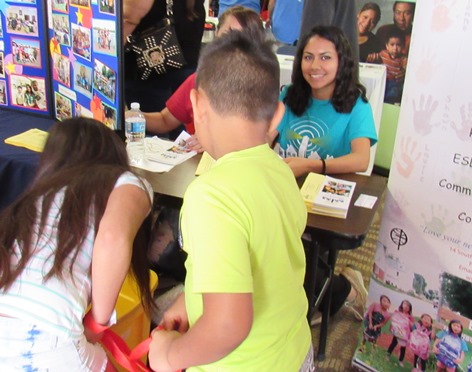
193	144
159	349
299	166
175	318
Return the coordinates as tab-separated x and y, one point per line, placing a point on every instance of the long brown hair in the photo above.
84	158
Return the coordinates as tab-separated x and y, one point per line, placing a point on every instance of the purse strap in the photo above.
117	347
169	11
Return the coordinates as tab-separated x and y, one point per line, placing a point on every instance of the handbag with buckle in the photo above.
157	48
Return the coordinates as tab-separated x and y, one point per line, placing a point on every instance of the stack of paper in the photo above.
327	196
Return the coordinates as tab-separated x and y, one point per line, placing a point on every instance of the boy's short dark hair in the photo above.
240	74
395	33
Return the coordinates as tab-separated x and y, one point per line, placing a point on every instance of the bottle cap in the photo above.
135	106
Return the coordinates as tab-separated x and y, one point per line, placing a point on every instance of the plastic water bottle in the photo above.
135	131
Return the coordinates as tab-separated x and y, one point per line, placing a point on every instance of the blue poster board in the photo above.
84	48
24	80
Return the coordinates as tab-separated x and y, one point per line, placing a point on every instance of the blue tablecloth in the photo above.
17	164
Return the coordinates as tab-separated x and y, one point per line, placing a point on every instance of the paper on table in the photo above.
365	201
33	139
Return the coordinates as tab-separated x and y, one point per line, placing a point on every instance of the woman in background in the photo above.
327	128
67	243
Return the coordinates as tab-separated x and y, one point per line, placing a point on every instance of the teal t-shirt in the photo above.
241	224
321	132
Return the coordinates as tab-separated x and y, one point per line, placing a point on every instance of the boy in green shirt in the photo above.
244	306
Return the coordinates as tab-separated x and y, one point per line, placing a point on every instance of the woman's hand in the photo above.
300	166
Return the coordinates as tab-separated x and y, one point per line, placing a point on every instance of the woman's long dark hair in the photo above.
84	158
347	88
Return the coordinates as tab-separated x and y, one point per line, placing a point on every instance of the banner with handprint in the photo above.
424	250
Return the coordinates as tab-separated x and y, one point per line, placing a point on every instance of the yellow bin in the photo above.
132	323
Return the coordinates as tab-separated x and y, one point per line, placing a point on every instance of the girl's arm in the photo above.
160	122
356	161
225	323
126	209
435	346
460	359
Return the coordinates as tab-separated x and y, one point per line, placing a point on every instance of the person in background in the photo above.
178	108
189	21
367	19
340	13
224	5
327	128
285	19
83	208
238	312
403	14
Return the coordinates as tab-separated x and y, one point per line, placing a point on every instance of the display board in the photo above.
421	286
24	82
84	45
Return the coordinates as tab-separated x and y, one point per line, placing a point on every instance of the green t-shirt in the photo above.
241	226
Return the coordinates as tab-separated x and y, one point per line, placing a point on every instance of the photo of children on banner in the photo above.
449	347
80	3
376	317
60	5
61	69
104	36
81	41
28	91
3	93
63	106
104	80
401	324
61	27
22	21
107	6
420	341
82	79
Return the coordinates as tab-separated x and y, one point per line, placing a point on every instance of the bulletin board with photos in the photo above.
24	81
84	43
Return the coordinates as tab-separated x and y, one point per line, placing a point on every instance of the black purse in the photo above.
157	48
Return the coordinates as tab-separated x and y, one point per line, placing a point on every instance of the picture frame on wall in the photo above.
22	20
26	52
3	93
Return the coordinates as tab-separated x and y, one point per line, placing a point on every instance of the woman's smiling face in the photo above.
320	66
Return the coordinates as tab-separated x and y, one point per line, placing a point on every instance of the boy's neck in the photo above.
233	134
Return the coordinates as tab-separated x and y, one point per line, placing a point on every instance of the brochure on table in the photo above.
84	46
24	81
161	155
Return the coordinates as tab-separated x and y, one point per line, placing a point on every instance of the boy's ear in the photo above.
199	103
278	115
